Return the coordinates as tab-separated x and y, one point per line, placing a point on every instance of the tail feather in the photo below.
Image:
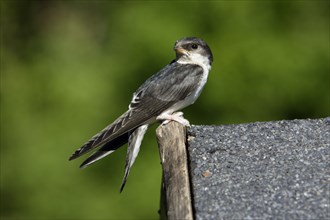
106	149
134	143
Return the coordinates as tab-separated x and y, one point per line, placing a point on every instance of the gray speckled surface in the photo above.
264	170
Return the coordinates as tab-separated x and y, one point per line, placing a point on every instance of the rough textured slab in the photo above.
271	170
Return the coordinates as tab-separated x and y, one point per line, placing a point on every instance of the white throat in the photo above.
195	58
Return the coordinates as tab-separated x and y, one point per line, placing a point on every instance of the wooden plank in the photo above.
175	184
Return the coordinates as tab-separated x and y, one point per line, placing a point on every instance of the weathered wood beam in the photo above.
175	184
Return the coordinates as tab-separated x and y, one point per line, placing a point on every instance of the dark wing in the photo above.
172	84
118	129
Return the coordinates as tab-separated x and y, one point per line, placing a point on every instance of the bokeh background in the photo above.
69	68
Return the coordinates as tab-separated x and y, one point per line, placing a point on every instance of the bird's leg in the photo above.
177	116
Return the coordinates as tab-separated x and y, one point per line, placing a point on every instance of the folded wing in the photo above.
161	91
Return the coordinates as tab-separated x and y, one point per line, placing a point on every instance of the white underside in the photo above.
204	63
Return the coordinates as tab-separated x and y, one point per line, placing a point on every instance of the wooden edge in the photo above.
176	202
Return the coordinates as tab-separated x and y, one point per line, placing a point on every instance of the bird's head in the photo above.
193	50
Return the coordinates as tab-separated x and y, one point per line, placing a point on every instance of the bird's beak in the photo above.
180	51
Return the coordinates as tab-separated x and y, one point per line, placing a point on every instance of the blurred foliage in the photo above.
68	68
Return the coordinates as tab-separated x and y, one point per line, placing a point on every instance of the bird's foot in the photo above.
177	116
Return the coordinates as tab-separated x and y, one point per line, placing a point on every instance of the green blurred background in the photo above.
69	68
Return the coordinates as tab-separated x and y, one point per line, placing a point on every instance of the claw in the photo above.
177	116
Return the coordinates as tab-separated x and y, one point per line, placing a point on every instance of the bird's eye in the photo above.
194	46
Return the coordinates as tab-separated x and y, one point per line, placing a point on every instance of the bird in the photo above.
158	99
